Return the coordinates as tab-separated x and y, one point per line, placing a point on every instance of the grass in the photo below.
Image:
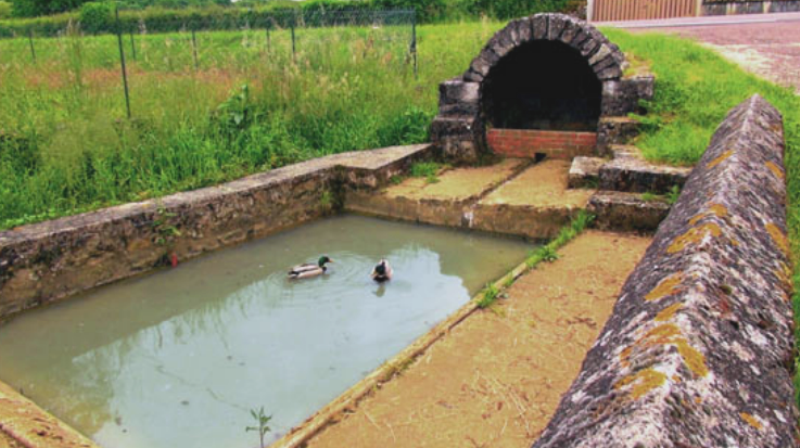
695	89
428	170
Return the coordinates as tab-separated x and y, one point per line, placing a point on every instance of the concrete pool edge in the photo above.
26	424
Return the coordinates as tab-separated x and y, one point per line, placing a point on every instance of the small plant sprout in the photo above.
428	170
262	428
673	195
549	254
490	294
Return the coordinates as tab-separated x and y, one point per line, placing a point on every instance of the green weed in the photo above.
262	421
673	195
490	295
428	170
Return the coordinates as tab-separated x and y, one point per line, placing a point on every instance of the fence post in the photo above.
194	48
133	46
269	46
122	62
590	10
30	40
414	43
294	47
699	9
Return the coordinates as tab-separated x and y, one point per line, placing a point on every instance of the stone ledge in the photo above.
51	260
627	212
585	172
630	172
699	348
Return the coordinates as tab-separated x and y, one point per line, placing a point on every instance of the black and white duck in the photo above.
308	270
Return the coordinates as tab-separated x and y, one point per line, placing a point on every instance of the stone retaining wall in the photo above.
699	349
43	262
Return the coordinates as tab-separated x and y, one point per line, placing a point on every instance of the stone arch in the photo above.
460	129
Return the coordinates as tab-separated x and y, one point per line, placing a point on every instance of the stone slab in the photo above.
542	185
630	172
442	203
627	212
535	204
585	172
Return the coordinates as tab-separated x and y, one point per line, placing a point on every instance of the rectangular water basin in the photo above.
180	357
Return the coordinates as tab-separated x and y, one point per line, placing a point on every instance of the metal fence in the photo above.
198	44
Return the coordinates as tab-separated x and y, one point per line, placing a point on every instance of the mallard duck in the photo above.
308	270
382	272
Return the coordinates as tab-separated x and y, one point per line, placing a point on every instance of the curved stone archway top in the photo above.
459	130
605	58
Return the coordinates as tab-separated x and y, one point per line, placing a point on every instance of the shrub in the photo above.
5	10
97	17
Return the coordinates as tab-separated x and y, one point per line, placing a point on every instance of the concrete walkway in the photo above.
496	379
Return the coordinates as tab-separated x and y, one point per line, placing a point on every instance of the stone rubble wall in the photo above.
459	131
51	260
699	348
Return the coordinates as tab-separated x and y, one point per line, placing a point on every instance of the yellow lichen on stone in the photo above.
784	274
751	420
693	359
715	209
694	235
722	157
661	334
778	237
775	170
667	287
668	312
643	382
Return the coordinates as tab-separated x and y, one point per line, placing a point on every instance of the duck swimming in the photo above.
382	272
308	270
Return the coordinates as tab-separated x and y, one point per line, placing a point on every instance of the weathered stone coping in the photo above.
698	350
51	260
24	424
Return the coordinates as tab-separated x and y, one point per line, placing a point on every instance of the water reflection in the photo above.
179	357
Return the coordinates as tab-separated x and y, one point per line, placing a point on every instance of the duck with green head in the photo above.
308	270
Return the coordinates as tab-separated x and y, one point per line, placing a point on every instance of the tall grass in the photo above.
349	89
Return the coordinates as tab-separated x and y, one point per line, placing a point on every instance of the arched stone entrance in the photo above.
545	84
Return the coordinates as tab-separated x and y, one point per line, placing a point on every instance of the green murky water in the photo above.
178	358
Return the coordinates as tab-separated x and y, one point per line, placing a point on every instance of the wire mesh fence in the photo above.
133	60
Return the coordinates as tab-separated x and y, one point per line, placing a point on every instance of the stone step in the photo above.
628	171
627	212
585	172
536	204
615	131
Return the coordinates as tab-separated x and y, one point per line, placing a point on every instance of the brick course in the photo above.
553	144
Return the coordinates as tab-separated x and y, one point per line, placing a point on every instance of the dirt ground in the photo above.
770	50
497	378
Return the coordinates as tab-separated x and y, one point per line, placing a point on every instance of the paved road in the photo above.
766	44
